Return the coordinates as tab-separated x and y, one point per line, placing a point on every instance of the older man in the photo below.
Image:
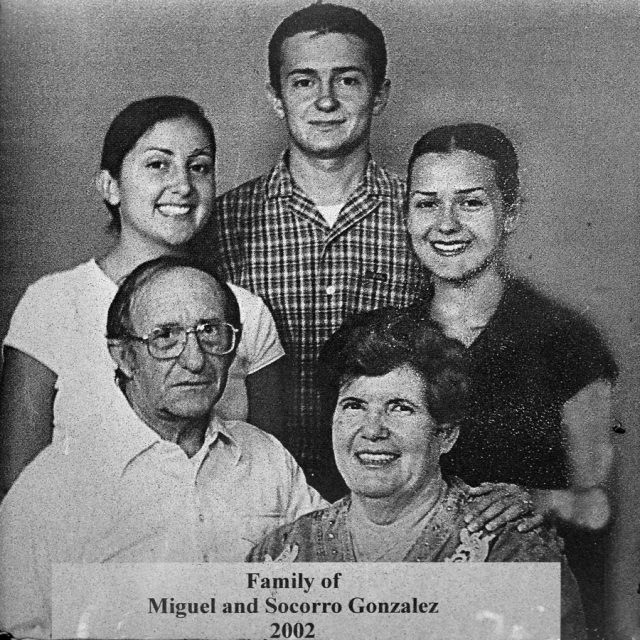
158	479
321	236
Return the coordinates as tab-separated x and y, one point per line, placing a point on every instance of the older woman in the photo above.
401	389
157	180
539	411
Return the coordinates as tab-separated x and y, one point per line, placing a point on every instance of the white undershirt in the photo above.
330	212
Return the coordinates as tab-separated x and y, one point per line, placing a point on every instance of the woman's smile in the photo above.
376	459
449	248
174	210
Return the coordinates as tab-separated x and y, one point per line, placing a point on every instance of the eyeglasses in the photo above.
166	343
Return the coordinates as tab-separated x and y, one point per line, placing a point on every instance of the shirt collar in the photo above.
119	435
280	184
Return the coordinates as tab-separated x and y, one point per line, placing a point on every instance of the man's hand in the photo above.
496	504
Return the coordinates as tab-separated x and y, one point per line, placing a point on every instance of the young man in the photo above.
322	235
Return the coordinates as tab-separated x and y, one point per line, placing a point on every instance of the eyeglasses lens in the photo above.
213	338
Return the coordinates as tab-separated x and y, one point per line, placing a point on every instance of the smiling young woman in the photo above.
539	414
157	180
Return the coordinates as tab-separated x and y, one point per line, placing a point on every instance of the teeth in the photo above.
449	247
174	210
376	458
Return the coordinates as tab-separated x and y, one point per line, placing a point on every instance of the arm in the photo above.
27	391
25	593
265	395
586	419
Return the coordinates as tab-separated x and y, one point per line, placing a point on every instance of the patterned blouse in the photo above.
323	536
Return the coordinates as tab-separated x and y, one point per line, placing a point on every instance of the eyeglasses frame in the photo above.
146	339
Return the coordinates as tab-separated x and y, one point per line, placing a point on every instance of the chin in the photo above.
372	492
370	487
179	239
192	410
330	149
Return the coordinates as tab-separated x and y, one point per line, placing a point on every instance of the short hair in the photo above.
133	122
329	18
375	343
119	324
482	139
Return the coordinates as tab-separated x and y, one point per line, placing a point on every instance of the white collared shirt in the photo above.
120	493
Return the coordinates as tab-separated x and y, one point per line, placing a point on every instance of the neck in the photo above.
389	509
187	433
462	309
128	253
328	181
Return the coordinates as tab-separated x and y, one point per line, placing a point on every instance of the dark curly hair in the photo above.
375	343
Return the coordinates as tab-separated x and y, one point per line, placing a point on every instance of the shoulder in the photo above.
526	302
540	545
249	303
294	541
506	545
389	183
255	442
528	311
565	336
53	305
247	192
62	282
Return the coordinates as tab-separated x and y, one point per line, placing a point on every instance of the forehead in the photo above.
403	382
459	169
174	134
310	50
181	296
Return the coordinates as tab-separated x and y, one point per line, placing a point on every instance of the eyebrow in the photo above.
459	191
205	151
351	398
404	400
335	70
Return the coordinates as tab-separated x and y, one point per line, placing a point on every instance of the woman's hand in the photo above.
496	504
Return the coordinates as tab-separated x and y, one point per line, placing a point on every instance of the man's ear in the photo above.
108	187
123	355
276	101
382	97
448	435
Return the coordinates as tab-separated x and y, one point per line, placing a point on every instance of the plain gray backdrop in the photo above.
561	78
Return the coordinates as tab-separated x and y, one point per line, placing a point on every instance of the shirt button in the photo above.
205	557
331	290
201	517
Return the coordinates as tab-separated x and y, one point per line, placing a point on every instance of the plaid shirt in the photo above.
269	237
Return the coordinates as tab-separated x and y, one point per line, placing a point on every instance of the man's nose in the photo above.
192	357
326	99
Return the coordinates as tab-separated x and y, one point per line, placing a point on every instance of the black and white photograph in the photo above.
292	285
